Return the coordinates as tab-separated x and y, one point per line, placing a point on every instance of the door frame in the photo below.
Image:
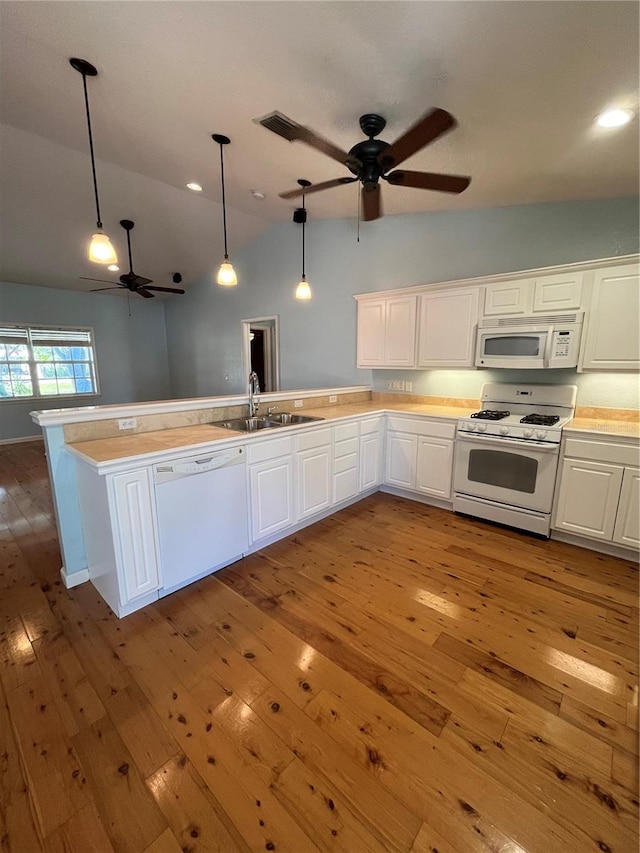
271	327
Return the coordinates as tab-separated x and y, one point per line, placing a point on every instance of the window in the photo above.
46	363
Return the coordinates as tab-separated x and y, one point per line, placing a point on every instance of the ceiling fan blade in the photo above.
314	188
309	137
105	280
371	202
134	280
424	131
100	289
167	289
144	293
429	181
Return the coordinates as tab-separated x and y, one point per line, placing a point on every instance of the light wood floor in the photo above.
395	678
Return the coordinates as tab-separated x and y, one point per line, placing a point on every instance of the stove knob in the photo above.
482	427
528	433
504	430
540	433
472	427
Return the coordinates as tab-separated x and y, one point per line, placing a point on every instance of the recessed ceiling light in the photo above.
258	194
113	267
614	118
192	185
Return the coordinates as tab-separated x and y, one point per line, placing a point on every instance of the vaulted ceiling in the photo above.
525	81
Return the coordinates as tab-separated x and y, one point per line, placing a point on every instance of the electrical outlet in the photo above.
408	386
395	385
333	398
297	404
127	423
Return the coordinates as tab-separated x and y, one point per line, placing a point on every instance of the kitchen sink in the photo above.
284	418
247	424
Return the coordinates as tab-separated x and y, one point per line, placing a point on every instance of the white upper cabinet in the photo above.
555	293
447	328
387	332
545	294
508	297
612	339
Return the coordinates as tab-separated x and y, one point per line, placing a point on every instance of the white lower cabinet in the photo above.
627	528
419	456
270	486
131	499
345	462
370	454
434	467
599	491
313	472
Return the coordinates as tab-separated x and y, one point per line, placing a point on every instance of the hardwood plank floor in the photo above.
393	678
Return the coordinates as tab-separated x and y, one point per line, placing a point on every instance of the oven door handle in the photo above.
537	446
548	347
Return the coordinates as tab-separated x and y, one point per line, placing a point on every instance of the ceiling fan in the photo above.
130	280
373	158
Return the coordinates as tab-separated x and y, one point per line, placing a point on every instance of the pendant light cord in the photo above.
304	221
93	161
224	205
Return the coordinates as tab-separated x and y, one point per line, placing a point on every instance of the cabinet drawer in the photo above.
436	429
600	451
345	463
344	431
345	448
269	449
370	425
313	438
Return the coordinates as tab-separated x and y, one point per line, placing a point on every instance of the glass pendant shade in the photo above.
100	249
227	275
303	290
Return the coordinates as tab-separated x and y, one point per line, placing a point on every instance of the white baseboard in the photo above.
416	496
608	548
75	578
21	440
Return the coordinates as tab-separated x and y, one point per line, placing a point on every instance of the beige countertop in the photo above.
105	450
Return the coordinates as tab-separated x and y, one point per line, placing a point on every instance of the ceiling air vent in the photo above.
279	124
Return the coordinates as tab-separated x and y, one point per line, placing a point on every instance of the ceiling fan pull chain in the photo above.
358	229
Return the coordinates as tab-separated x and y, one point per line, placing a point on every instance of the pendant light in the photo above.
303	290
226	274
100	249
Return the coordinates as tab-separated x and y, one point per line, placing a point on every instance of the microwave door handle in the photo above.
546	360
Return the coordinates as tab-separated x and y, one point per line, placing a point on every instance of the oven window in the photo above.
518	345
503	469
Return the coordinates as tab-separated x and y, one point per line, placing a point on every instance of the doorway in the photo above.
260	351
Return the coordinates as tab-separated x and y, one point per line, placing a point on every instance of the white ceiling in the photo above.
524	80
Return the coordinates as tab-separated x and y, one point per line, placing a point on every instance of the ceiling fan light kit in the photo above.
100	250
226	276
372	159
303	290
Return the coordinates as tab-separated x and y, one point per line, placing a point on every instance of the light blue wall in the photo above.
318	338
131	351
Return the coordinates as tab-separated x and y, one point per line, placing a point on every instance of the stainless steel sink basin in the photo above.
247	424
285	418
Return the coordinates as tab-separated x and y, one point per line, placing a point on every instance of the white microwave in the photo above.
546	341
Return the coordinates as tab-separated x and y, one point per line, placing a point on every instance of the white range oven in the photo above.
507	454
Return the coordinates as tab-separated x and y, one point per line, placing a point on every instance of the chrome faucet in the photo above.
254	391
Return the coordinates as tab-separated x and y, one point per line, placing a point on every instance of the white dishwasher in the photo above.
202	515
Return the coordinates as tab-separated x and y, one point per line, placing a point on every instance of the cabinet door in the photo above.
371	319
134	533
627	529
401	460
553	293
370	461
271	496
612	340
400	332
509	297
313	478
588	498
447	329
345	478
434	467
